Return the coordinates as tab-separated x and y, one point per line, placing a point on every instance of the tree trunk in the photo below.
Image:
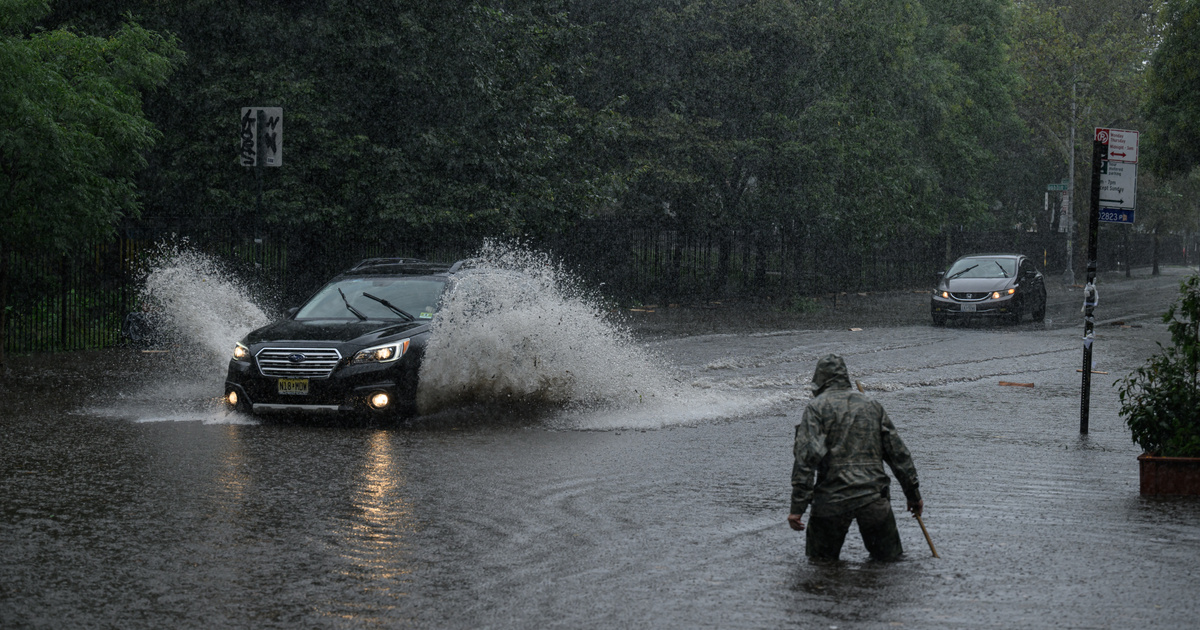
1154	262
3	309
725	243
1128	253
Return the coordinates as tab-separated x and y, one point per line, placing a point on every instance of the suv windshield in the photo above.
418	296
982	268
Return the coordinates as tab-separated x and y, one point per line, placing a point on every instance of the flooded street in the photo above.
131	499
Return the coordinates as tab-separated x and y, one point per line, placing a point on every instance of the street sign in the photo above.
268	149
1122	144
1056	186
1118	185
1116	215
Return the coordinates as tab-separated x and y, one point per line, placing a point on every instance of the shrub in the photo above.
1161	400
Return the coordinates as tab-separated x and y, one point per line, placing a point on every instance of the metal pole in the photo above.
259	164
1099	156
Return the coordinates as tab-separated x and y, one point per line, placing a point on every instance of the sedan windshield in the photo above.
982	268
418	296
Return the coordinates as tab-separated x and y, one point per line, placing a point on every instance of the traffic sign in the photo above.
1122	144
1057	186
1118	185
1116	215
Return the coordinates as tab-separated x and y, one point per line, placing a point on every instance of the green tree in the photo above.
1172	106
856	119
1081	64
72	131
401	117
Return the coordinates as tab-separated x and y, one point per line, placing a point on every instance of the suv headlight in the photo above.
385	353
241	352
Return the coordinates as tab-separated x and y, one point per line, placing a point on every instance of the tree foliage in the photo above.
1172	106
1161	400
72	131
760	117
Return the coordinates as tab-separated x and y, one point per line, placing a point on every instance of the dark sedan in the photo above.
990	285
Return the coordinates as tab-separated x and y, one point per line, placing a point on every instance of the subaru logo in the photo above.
297	358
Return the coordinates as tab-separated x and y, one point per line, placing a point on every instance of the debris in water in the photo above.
1016	384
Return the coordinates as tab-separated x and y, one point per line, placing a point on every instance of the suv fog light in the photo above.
233	398
379	400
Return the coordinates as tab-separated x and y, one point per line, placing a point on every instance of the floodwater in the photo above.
131	499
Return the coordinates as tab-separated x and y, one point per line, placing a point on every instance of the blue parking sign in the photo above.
1116	215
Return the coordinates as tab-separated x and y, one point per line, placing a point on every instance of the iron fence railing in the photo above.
77	302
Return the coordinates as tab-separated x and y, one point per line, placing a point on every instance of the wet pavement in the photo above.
130	499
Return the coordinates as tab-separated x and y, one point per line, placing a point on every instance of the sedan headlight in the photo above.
241	352
996	295
386	353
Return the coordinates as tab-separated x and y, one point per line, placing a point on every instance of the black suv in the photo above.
354	347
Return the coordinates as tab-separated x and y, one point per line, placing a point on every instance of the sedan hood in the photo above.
332	330
976	285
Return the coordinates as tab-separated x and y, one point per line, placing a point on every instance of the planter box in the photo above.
1169	475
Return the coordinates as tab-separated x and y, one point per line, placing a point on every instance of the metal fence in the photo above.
77	302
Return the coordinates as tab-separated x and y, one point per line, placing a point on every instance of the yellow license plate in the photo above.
293	386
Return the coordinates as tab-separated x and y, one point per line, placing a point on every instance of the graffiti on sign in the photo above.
265	149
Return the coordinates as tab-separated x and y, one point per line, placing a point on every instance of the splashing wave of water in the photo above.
198	311
196	302
515	327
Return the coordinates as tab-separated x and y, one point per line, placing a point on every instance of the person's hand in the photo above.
916	507
795	523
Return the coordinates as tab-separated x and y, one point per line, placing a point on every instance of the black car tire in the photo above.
1016	314
939	320
1039	313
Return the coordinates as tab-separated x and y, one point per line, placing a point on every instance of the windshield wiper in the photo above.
360	316
1002	269
395	309
962	272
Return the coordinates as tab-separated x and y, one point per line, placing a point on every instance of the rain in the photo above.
651	220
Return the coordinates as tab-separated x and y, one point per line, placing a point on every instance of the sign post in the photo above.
261	145
1114	184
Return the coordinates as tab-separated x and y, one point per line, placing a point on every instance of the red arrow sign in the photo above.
1122	144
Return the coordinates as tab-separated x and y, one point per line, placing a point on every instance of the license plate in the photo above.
967	308
293	386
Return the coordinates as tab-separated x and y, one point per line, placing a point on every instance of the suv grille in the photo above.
311	363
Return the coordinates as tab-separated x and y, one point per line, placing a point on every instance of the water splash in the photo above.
516	328
197	310
197	303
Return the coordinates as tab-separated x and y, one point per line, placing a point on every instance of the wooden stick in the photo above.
927	538
1093	371
1016	384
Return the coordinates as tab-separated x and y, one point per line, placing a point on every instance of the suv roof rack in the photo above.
375	262
403	266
